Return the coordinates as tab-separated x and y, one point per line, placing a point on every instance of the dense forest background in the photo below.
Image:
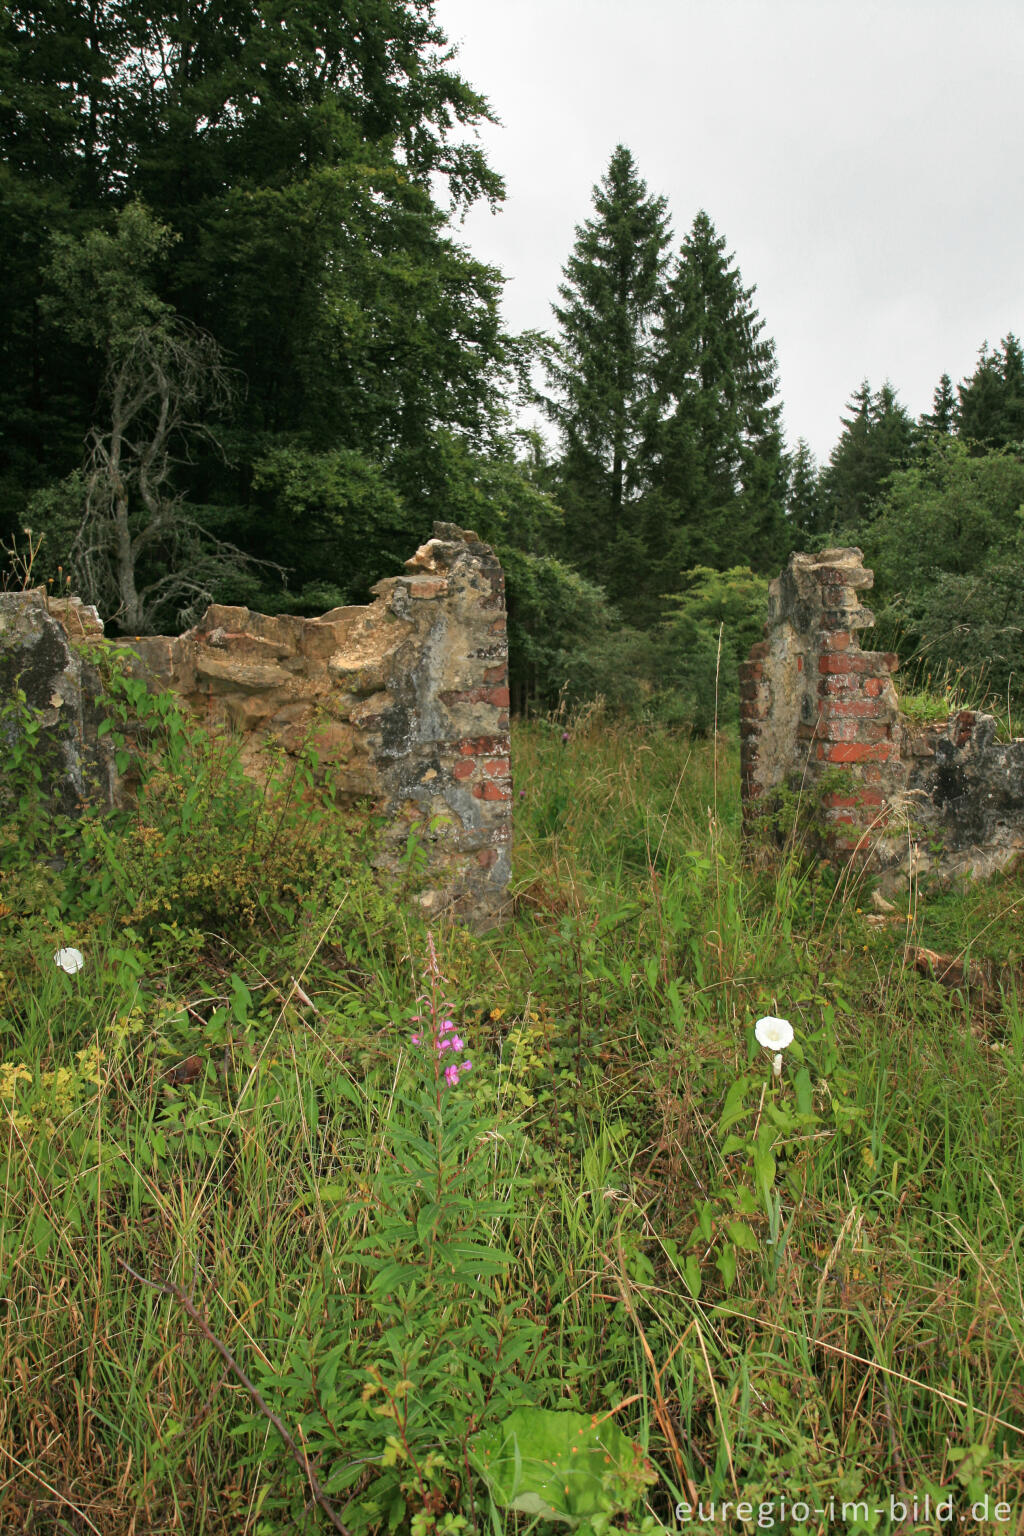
244	357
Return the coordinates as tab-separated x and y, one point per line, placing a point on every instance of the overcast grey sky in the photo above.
863	158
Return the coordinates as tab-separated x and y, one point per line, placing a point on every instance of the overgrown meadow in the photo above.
313	1219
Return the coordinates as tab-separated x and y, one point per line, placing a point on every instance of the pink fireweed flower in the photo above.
437	1032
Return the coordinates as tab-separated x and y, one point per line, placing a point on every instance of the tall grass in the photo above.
808	1291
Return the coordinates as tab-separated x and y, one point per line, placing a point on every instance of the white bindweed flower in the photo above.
777	1065
70	960
774	1034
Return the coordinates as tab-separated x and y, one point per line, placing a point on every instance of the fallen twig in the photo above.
168	1288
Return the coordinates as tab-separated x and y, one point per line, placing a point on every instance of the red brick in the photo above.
861	797
799	663
484	746
488	790
750	671
874	687
841	730
497	768
963	725
487	857
855	730
499	697
464	768
758	651
853	709
860	752
499	626
496	674
837	640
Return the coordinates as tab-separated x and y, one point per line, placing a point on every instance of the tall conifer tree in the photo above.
992	399
717	468
602	371
805	509
878	438
941	420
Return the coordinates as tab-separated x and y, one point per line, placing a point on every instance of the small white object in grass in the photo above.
774	1034
777	1065
70	960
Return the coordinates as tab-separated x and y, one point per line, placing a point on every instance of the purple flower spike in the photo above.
466	1065
458	1044
451	1075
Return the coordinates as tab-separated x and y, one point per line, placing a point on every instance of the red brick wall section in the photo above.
813	702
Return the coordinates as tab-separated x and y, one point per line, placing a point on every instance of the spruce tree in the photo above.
992	399
878	438
717	470
601	370
941	420
805	508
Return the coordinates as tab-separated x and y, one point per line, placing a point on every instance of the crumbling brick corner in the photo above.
405	702
819	716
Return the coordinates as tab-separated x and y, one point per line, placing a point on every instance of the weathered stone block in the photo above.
61	690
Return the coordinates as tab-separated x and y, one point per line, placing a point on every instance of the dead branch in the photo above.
168	1288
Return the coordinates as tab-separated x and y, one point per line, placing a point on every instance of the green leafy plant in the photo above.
556	1465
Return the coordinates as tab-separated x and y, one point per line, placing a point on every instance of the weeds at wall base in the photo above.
263	1135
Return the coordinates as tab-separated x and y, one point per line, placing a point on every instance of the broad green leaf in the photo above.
558	1465
742	1235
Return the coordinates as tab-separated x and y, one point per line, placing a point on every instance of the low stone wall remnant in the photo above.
75	765
820	725
405	702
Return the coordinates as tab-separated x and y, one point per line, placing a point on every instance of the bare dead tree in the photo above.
166	383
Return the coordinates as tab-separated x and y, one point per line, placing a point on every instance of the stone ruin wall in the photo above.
820	722
405	701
